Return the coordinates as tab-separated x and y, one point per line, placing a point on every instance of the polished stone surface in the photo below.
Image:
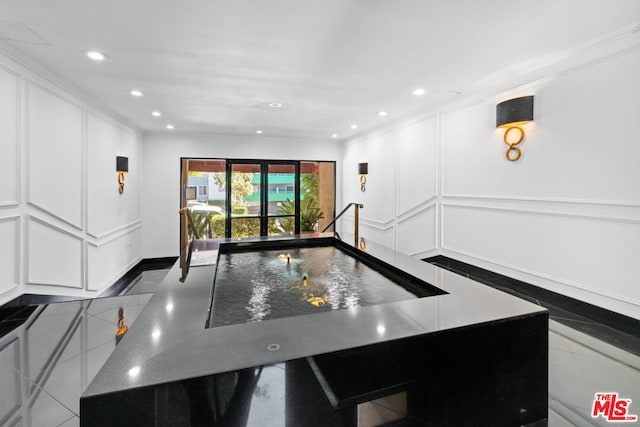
182	348
171	344
48	361
579	366
436	380
614	328
147	282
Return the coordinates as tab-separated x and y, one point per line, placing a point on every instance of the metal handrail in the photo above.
356	219
360	205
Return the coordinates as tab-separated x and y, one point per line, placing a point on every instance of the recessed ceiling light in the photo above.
136	92
156	114
335	135
354	126
275	105
170	127
258	131
419	92
95	55
382	113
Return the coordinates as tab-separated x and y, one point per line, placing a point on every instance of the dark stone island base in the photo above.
471	356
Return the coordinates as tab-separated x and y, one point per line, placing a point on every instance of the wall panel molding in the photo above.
33	278
553	250
44	193
113	278
538	211
42	211
544	276
378	225
415	155
586	202
5	173
107	261
113	234
416	234
70	185
13	251
430	203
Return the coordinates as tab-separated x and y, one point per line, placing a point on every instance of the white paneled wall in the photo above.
9	249
110	259
54	155
54	255
401	187
9	160
565	217
109	211
59	190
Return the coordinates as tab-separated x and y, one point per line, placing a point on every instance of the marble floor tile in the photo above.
47	362
148	282
71	422
36	407
581	366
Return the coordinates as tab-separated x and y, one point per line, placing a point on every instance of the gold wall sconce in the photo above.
122	166
363	170
510	115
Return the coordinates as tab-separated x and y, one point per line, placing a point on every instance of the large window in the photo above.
246	198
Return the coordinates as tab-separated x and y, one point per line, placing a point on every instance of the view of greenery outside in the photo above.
310	213
241	186
211	223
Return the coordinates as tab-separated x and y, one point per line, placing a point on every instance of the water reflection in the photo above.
256	286
259	307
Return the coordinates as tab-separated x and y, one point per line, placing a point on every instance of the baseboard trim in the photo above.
542	296
146	264
114	290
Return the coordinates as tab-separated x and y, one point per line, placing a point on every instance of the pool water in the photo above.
256	286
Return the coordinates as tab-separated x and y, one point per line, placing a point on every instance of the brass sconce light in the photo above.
122	166
510	115
363	170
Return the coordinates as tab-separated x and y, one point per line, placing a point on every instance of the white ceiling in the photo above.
214	65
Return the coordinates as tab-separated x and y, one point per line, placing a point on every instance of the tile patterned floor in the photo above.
47	362
580	366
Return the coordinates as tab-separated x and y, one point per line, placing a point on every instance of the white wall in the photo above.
400	196
161	179
64	229
565	217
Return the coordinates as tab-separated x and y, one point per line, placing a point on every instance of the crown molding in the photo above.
525	76
90	103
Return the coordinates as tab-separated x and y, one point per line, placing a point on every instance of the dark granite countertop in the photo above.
169	341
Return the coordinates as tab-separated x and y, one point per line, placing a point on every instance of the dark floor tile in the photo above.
610	327
22	314
8	312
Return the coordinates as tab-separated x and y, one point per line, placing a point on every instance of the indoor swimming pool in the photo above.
272	283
